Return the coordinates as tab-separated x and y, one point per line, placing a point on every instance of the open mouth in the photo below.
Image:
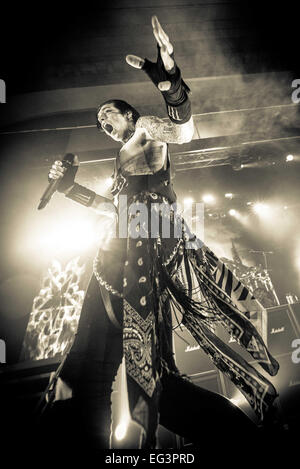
108	128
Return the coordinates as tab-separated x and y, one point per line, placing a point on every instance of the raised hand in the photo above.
166	50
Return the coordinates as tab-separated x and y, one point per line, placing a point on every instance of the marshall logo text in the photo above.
277	330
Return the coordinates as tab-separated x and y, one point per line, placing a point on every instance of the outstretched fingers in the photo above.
166	50
161	37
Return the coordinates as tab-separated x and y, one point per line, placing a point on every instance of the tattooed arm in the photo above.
166	131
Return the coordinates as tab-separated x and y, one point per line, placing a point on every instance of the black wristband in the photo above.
81	194
176	98
180	113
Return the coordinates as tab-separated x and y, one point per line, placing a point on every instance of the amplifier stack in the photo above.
280	329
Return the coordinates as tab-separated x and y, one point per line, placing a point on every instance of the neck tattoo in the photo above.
129	134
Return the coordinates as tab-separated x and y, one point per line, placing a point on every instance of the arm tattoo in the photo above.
146	162
163	131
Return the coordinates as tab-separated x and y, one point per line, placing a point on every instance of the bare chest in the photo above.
141	152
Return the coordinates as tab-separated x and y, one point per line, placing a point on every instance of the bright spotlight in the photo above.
208	198
121	430
289	158
261	209
69	235
232	212
229	195
188	201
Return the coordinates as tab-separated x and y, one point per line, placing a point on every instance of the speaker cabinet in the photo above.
282	328
191	359
295	315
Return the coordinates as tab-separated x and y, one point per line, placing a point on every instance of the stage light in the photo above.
232	212
208	198
69	235
188	201
261	209
64	236
228	195
289	158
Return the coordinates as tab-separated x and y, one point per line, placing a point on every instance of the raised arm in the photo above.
166	76
166	131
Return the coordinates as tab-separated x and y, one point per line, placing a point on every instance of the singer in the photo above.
138	280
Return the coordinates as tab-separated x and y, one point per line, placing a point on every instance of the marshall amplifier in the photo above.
190	359
295	315
281	328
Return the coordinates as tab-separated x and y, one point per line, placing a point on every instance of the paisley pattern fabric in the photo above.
150	280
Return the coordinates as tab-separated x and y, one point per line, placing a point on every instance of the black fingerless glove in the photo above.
176	98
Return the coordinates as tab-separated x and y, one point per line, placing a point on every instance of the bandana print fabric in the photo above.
148	274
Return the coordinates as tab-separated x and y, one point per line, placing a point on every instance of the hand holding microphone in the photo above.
61	177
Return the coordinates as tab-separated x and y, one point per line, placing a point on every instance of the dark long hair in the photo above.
123	107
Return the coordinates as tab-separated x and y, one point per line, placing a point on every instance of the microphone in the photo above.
67	160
